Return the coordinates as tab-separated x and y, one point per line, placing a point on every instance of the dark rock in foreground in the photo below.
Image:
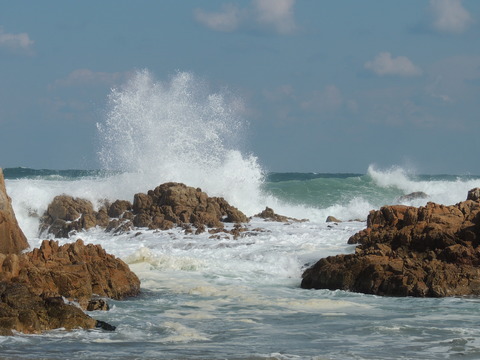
167	206
22	310
430	251
35	287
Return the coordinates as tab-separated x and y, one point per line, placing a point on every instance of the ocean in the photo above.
206	297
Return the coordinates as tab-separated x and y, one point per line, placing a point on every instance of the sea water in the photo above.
205	297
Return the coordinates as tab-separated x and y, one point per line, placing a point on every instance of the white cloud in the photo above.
227	19
276	13
450	16
270	14
83	77
15	41
385	64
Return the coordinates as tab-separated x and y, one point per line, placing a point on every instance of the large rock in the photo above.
406	251
12	239
167	206
75	271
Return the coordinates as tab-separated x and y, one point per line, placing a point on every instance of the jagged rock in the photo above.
270	215
22	310
432	250
118	208
167	206
66	214
75	271
12	239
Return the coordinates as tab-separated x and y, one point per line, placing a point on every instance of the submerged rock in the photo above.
431	251
412	196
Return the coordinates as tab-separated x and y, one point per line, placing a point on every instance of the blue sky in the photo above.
328	86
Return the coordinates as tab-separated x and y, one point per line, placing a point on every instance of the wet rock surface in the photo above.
430	251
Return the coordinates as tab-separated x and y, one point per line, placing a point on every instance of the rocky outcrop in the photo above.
269	215
429	251
75	271
36	287
12	239
167	206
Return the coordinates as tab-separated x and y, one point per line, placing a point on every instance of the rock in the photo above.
22	310
269	215
474	194
332	219
167	206
98	305
104	326
118	208
413	196
66	214
77	272
431	251
12	239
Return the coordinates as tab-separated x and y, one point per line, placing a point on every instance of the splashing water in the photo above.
179	131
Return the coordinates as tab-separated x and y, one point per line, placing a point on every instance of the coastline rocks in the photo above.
168	205
36	287
75	271
430	251
12	239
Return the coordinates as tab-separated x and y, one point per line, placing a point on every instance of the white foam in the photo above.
439	191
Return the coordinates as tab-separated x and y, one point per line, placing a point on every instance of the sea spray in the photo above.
179	131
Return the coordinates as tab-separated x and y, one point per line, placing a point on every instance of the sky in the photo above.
328	86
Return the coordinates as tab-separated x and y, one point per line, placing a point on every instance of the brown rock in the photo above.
66	214
77	272
12	239
270	215
118	208
405	251
333	219
24	311
168	205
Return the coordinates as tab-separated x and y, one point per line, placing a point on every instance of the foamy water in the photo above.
219	297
